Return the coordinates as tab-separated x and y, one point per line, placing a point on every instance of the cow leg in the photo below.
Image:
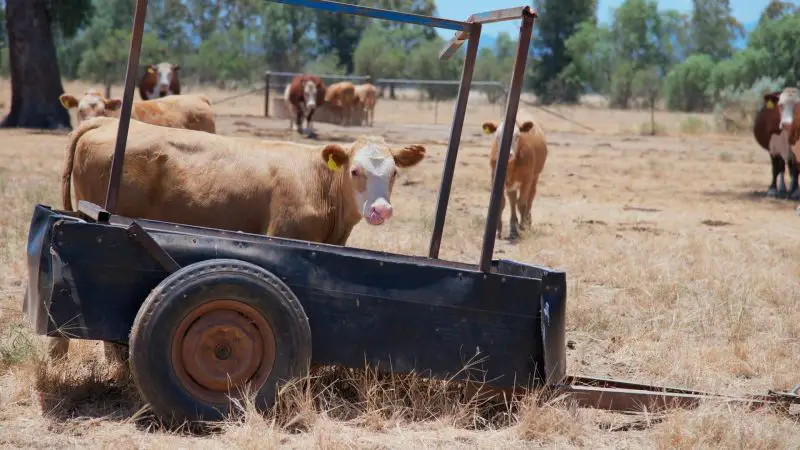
500	217
513	202
777	169
793	193
308	120
299	120
526	204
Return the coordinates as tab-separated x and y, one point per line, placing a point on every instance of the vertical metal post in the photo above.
455	139
267	76
510	121
127	103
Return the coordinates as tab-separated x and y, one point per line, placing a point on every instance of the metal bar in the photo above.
497	15
452	46
633	400
377	13
409	81
500	15
143	238
267	76
512	103
455	140
93	211
127	104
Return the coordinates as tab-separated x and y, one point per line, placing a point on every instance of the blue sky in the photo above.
745	11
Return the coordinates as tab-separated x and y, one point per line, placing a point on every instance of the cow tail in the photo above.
66	175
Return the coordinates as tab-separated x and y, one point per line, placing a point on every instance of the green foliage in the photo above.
740	71
714	28
327	64
558	21
69	16
424	63
778	38
380	54
776	9
735	107
496	65
237	64
109	58
686	85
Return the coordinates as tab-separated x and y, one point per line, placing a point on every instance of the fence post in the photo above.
266	93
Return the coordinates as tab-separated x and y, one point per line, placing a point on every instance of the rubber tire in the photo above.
188	288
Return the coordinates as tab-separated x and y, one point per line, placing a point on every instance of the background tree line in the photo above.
644	55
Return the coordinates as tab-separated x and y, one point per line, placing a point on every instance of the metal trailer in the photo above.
206	311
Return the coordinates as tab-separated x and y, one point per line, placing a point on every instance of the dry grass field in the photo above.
680	272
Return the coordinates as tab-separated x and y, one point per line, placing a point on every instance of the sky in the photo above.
745	11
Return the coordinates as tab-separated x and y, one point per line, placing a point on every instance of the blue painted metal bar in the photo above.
377	13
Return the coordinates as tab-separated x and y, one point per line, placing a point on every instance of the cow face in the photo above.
164	74
787	103
92	104
497	131
310	94
371	168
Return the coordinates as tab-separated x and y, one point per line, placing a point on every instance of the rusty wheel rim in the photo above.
220	347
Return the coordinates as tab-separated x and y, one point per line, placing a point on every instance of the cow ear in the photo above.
335	156
409	156
526	126
489	127
113	104
176	67
771	99
68	101
151	69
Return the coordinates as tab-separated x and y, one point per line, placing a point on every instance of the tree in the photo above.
558	20
714	28
776	9
686	85
35	76
779	38
647	85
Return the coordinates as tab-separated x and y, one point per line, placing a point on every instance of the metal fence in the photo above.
276	82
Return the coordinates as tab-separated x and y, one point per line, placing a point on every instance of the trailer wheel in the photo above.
210	329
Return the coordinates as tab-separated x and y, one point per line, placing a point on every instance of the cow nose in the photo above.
785	125
381	211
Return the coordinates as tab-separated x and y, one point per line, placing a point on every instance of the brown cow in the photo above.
184	176
160	80
190	111
525	163
767	130
367	96
342	95
303	96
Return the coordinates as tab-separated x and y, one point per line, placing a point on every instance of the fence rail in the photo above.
382	82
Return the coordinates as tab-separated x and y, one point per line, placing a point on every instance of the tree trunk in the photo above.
35	78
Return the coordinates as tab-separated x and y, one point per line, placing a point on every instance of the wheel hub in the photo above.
221	346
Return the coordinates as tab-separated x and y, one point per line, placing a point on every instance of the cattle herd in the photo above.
178	169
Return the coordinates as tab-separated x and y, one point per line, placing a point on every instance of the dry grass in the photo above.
680	272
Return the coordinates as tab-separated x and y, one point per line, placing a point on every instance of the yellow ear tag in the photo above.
332	164
770	105
486	131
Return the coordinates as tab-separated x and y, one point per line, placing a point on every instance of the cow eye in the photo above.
355	172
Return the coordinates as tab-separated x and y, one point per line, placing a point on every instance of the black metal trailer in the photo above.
205	311
208	311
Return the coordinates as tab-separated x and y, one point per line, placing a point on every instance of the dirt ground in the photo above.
680	272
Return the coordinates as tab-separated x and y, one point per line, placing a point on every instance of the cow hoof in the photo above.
772	192
794	195
798	211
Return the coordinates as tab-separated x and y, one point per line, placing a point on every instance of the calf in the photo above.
160	80
767	130
237	184
367	96
342	95
303	96
525	163
190	111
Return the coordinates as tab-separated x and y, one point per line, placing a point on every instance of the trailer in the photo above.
206	313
